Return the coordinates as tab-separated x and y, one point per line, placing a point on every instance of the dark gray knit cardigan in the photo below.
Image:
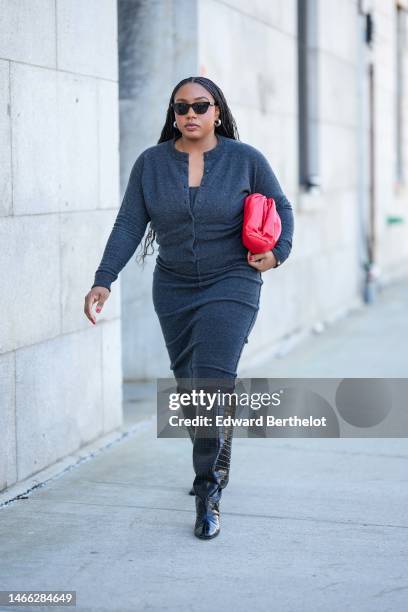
199	241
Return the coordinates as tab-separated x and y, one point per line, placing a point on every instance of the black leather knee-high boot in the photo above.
211	461
189	412
224	458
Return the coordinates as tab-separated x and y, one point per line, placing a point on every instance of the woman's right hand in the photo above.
96	294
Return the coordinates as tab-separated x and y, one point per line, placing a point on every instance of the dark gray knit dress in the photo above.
204	292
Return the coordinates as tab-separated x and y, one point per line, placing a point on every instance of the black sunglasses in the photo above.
181	108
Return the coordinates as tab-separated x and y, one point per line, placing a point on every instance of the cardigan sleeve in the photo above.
127	232
265	182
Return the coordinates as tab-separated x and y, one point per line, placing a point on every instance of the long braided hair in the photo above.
227	128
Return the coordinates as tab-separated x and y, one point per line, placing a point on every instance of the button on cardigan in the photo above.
194	242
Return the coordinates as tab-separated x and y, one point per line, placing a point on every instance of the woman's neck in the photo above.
196	146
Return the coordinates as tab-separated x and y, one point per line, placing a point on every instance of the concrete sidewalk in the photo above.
306	524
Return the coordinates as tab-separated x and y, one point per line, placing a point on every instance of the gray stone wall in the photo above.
60	377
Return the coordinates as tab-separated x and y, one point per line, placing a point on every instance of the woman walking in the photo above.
191	186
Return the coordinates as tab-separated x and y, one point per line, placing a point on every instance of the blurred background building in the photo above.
319	86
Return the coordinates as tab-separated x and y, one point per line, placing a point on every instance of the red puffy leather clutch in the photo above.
262	225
